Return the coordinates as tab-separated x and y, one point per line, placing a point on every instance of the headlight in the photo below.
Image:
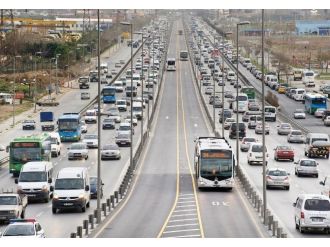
81	196
19	188
12	211
55	197
44	188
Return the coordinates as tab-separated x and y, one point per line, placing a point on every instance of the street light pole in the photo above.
263	121
237	123
14	89
223	91
142	84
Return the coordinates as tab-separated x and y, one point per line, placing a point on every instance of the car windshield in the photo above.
124	127
317	205
33	177
284	148
308	163
90	137
299	111
285	126
8	200
297	132
121	102
249	140
320	109
69	184
110	147
277	173
77	146
122	136
108	120
90	113
19	230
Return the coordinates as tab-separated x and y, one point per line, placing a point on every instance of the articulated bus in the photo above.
69	127
170	64
28	148
109	95
314	101
214	163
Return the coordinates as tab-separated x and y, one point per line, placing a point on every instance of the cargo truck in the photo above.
47	121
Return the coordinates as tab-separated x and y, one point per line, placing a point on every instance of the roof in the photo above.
69	116
213	143
32	138
36	165
68	172
314	95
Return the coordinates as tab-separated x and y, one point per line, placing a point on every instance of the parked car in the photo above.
307	167
110	151
255	154
299	114
296	136
246	142
277	177
283	152
284	129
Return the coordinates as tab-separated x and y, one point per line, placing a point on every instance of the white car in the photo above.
90	116
125	128
83	128
312	211
277	177
228	122
119	86
28	124
299	114
110	151
306	167
284	129
121	105
258	129
28	228
91	140
209	90
296	136
128	120
78	150
246	142
255	154
326	186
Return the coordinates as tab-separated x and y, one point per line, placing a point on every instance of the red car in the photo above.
284	153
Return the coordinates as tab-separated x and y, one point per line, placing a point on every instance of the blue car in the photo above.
93	187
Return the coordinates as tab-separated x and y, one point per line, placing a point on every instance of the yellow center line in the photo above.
177	154
189	162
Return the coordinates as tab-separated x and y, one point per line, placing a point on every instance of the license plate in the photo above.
3	217
277	183
123	142
76	154
67	204
317	219
31	195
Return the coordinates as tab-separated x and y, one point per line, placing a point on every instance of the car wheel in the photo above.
267	187
83	209
287	187
23	214
54	210
59	153
316	175
87	204
301	229
86	157
295	222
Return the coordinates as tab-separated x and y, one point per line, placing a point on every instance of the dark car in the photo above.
227	114
93	187
241	130
325	114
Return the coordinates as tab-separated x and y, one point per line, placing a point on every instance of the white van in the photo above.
270	113
243	103
35	180
312	211
308	78
137	109
136	79
55	144
298	94
71	189
231	76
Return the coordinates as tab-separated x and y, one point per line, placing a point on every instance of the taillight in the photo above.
302	215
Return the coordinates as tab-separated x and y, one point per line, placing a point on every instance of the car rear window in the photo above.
277	173
249	139
257	148
308	163
317	205
296	133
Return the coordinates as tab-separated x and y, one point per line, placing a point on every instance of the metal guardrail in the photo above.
4	160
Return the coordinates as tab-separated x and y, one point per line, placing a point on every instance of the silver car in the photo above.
284	129
296	136
277	177
110	151
91	140
306	167
78	151
319	112
246	142
326	121
258	128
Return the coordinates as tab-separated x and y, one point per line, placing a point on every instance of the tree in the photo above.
323	58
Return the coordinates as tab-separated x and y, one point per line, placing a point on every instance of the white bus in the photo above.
7	98
214	163
184	55
170	64
243	103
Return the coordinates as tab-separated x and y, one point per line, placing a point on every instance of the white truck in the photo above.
12	206
308	78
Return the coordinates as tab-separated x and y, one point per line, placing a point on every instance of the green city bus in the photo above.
28	148
249	91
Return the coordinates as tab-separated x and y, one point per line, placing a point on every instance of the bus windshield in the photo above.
272	110
319	101
109	91
242	98
68	124
25	154
216	163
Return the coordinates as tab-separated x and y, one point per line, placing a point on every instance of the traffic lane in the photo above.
216	206
155	189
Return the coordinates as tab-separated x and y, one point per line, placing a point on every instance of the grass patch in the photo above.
7	110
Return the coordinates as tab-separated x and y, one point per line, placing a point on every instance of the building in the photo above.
255	32
78	26
311	27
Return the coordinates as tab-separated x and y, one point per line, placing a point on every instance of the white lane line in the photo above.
187	198
182	215
184	210
183	220
195	125
193	224
186	206
186	230
186	236
38	215
166	117
185	202
186	195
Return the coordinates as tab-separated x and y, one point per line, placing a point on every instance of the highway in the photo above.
280	201
54	225
164	201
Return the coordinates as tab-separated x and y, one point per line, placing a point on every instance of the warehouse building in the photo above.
320	27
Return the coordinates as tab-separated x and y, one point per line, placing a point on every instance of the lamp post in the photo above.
35	81
149	87
263	120
237	123
14	88
56	82
50	77
223	87
131	122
